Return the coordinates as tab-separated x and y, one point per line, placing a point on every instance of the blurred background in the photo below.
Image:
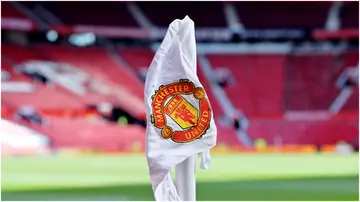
282	78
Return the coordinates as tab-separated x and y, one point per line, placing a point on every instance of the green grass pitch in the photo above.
230	177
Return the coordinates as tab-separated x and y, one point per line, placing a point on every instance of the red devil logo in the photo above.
183	113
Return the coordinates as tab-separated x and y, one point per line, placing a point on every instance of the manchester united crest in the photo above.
170	104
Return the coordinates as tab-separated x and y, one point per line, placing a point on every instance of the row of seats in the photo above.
205	14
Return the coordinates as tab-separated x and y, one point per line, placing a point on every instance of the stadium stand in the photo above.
265	85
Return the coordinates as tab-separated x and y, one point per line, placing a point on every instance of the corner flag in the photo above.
180	121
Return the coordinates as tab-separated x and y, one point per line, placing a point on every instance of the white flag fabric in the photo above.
180	121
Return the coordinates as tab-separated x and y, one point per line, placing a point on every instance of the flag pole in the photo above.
185	179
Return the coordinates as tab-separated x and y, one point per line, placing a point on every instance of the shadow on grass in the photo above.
334	188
